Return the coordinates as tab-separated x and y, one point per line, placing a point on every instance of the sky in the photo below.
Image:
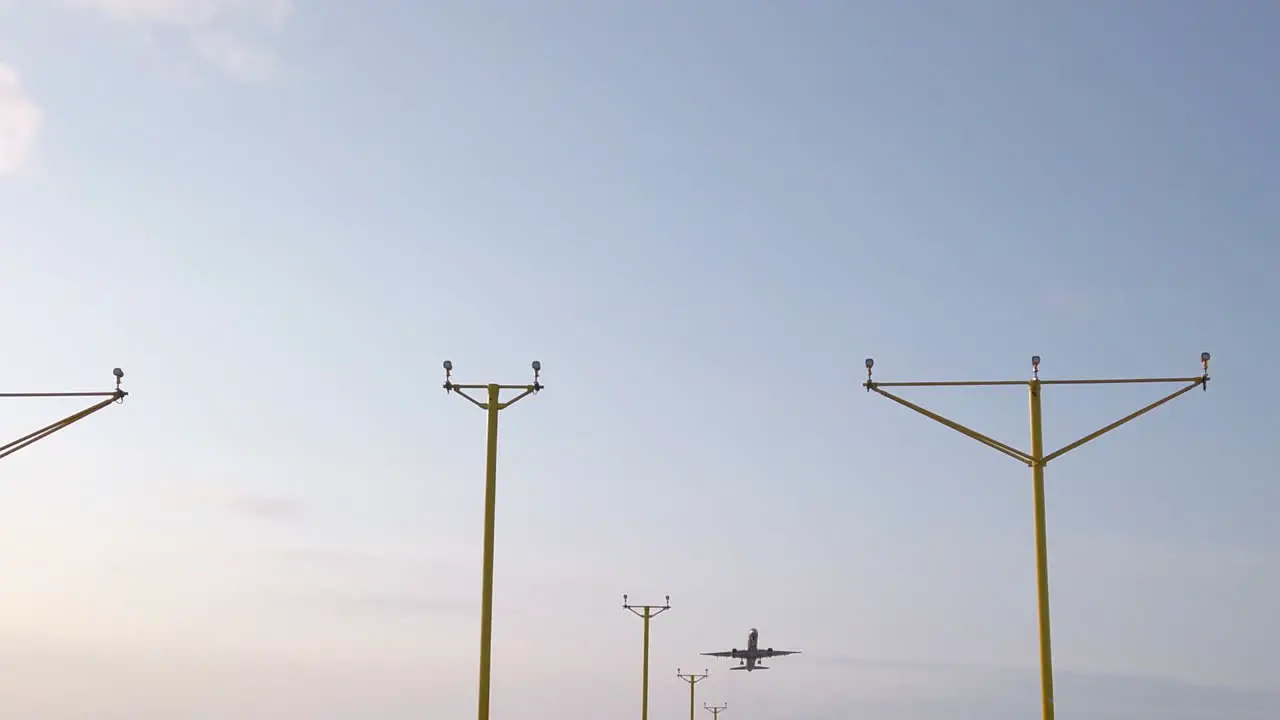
279	218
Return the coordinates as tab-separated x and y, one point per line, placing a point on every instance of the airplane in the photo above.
753	654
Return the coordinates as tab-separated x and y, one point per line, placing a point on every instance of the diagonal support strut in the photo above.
990	442
1195	383
109	397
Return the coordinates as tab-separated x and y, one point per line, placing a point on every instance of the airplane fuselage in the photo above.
753	641
752	655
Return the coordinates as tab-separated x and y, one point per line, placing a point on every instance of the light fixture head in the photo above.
120	373
1204	357
448	365
537	366
870	363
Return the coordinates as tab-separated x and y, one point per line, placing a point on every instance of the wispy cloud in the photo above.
1082	302
351	582
403	603
264	507
237	57
20	122
216	29
189	13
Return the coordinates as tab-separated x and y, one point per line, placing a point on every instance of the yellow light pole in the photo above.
492	406
1036	460
693	679
715	710
646	613
111	396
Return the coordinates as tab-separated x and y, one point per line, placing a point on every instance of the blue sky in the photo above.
700	217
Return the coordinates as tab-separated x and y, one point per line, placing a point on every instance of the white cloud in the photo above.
263	507
214	28
189	13
20	122
237	58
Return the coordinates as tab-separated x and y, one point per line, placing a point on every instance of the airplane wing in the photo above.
775	653
726	653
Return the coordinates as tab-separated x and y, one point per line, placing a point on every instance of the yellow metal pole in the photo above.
644	682
693	679
492	406
1042	552
490	515
646	613
715	710
1037	459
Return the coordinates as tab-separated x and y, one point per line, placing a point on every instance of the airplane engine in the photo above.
770	649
